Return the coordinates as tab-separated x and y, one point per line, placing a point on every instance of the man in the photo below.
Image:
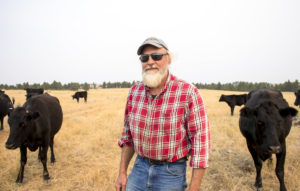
165	122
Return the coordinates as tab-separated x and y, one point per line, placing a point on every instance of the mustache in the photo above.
150	67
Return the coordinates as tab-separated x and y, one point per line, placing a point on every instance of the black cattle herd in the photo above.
265	121
33	125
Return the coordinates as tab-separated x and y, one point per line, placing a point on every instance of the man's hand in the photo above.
121	182
127	154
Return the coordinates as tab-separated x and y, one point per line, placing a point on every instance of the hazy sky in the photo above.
95	41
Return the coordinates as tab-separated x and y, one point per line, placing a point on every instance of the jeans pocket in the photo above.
138	161
177	169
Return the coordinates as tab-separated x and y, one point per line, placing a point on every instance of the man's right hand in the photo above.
121	182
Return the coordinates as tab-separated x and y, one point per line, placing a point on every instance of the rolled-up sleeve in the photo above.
126	138
198	131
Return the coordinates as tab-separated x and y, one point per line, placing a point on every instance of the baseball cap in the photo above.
158	43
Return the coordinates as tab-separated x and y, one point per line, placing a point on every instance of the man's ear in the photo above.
170	56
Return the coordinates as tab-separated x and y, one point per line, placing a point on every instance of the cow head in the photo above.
222	98
266	126
21	126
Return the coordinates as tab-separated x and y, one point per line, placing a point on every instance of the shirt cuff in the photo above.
121	143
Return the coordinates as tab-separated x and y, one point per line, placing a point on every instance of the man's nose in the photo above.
150	61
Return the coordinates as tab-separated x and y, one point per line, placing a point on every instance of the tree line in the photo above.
287	86
234	86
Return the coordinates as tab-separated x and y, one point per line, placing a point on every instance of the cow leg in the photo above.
280	167
84	99
77	100
39	154
2	118
258	165
52	151
23	151
232	109
1	128
43	155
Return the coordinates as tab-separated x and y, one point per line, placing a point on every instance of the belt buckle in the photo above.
149	161
154	162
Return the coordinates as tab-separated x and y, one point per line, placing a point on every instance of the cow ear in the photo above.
246	112
9	111
33	115
289	111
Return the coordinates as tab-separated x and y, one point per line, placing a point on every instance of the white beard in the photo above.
153	80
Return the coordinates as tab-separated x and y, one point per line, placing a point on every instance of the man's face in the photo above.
155	71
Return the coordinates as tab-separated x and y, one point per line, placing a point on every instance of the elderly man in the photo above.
165	123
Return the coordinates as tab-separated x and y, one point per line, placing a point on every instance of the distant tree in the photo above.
86	86
56	85
72	86
104	85
46	85
25	85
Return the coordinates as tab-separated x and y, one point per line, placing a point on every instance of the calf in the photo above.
233	100
29	95
297	101
5	106
265	122
82	94
33	126
33	91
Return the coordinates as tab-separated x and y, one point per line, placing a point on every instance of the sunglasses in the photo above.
154	56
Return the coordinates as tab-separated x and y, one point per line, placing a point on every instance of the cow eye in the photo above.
260	123
22	124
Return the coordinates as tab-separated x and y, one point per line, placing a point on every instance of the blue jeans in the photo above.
166	177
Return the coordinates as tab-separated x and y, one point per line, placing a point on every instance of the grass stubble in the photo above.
88	157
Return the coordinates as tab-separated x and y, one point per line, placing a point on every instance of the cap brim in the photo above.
141	48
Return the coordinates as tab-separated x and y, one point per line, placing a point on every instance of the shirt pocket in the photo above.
171	122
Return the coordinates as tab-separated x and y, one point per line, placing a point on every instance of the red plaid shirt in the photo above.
170	126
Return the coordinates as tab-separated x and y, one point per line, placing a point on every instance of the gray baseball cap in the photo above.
158	43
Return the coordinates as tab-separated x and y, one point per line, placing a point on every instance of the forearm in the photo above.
197	175
127	154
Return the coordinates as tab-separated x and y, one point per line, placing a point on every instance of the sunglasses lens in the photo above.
144	58
156	56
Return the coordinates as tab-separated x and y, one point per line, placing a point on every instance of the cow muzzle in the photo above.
10	146
274	149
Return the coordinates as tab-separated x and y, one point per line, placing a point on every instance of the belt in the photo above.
159	162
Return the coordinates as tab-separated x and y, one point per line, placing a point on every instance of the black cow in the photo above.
233	100
33	126
82	94
265	122
5	106
297	101
29	95
33	91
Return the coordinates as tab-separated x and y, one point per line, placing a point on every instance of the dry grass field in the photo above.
87	154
